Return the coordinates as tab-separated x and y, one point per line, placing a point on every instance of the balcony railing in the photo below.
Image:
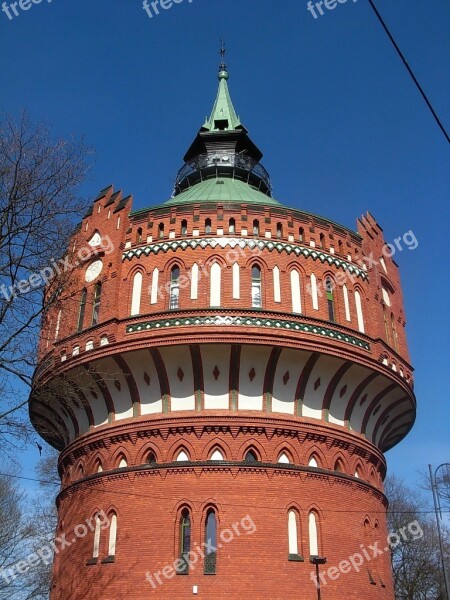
223	163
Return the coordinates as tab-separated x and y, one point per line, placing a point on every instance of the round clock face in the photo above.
93	270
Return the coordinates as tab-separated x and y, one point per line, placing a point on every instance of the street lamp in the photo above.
437	510
317	560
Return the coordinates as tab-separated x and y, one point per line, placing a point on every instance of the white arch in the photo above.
97	531
276	285
313	537
182	456
346	303
236	281
215	285
123	463
136	294
58	324
194	282
112	536
154	292
296	292
359	312
292	532
312	462
283	458
314	295
217	455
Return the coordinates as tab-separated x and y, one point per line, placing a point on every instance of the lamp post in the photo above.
318	560
437	510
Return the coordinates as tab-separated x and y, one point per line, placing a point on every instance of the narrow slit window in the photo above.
185	542
184	227
97	303
279	231
208	228
255	227
232	226
174	288
330	299
82	310
313	535
210	543
161	230
256	287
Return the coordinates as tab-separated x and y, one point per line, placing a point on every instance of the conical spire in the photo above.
222	148
223	116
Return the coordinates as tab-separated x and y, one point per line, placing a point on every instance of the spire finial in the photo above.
223	68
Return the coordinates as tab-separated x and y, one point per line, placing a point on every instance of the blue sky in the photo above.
342	126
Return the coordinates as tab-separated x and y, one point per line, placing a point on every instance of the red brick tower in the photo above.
222	375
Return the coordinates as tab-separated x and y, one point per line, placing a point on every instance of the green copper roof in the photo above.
223	116
222	190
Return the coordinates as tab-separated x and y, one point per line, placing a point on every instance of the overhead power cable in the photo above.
410	71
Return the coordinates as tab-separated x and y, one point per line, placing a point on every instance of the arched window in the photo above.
322	241
210	543
359	312
357	473
97	531
184	227
394	333
136	294
182	456
98	467
139	236
301	235
255	227
296	292
208	226
386	328
313	535
216	455
232	226
174	302
151	458
293	534
82	310
313	462
256	287
284	458
161	230
215	285
279	231
97	303
338	466
251	457
330	299
185	540
112	536
123	463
